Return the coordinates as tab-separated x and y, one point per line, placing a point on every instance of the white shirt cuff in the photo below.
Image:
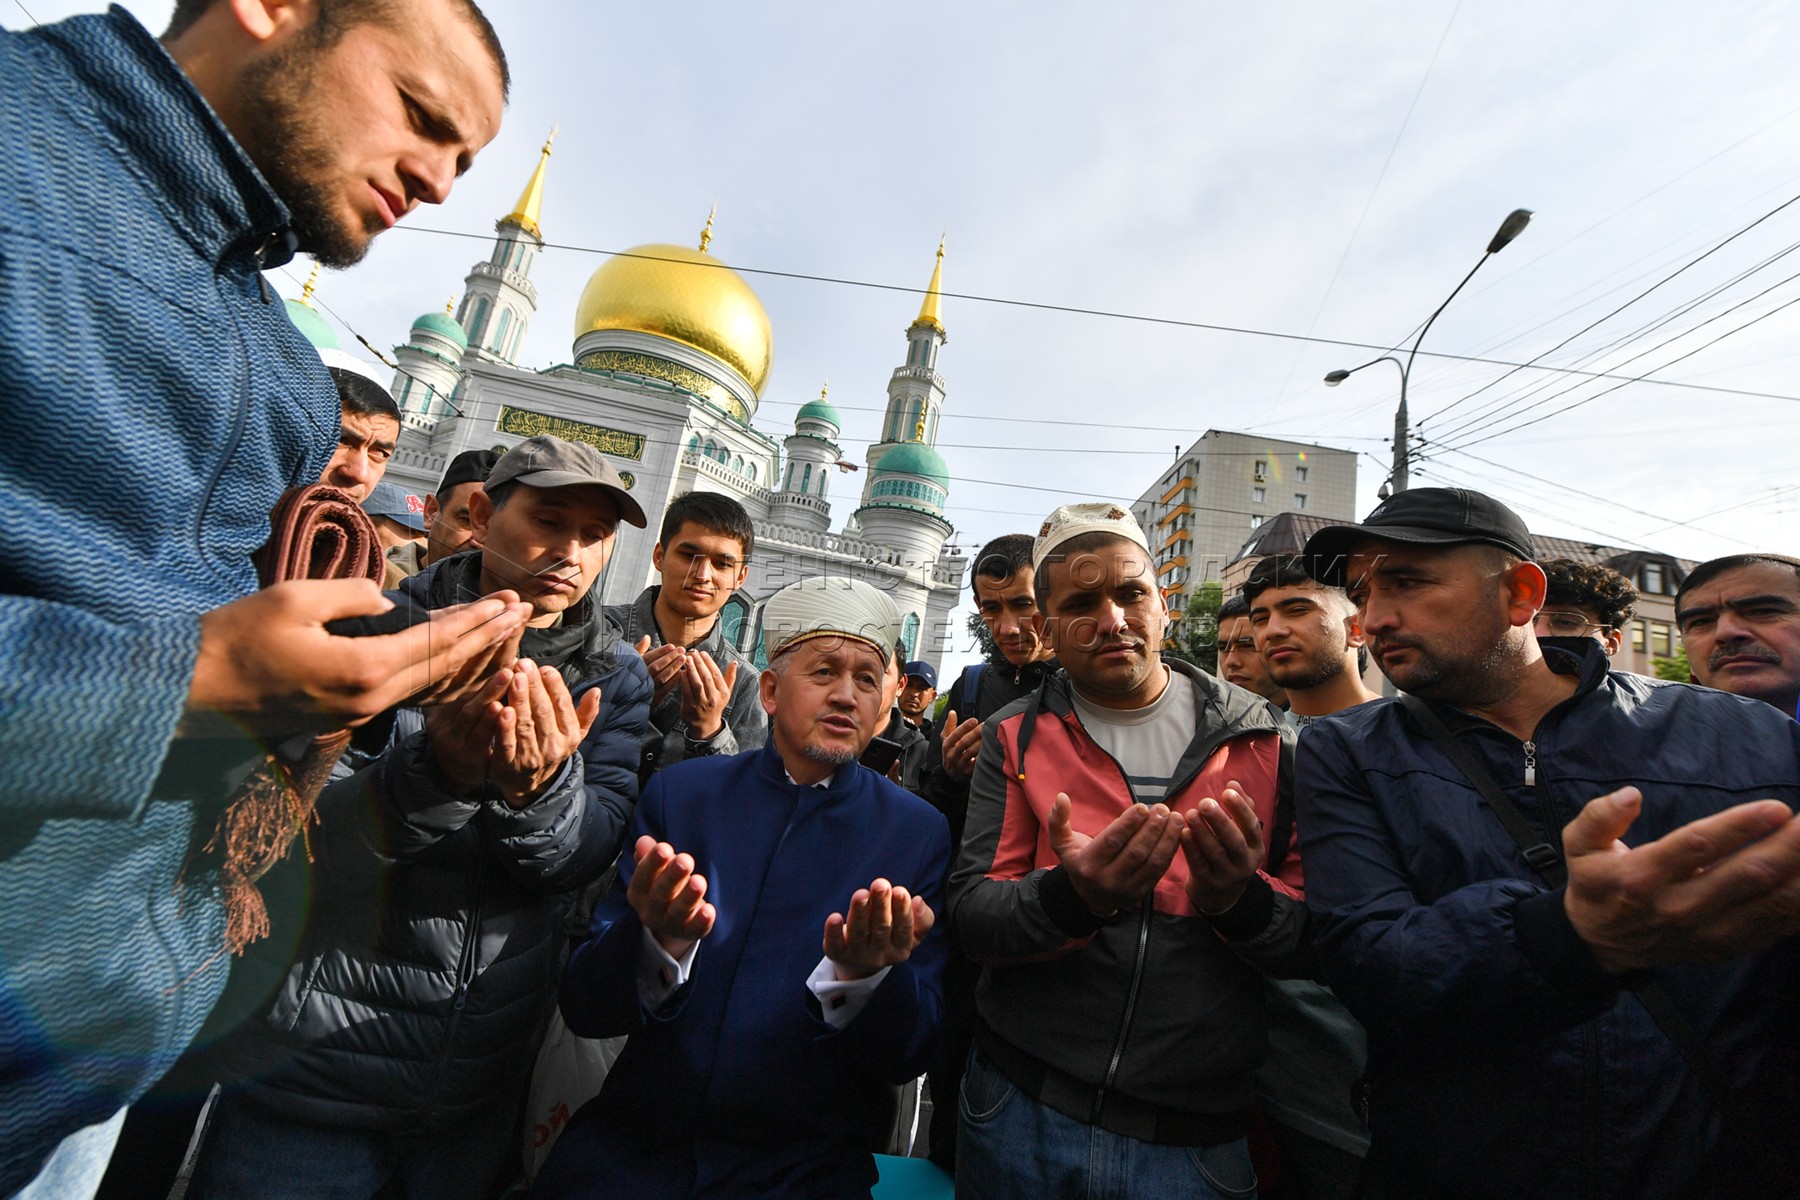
660	975
842	999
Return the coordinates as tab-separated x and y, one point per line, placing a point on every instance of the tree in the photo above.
1194	638
979	631
1675	669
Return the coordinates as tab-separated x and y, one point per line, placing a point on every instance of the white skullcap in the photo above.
356	366
1072	520
828	607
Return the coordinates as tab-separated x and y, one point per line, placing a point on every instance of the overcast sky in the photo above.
1329	170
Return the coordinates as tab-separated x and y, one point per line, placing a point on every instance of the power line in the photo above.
1076	310
1281	396
1679	358
1653	287
1562	486
1497	409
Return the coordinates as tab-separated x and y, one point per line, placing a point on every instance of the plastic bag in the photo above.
568	1074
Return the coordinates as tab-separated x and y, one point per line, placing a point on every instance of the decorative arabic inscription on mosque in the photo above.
525	423
650	367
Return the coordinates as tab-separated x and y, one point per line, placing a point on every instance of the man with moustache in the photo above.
706	690
443	874
757	1067
1740	621
146	185
1306	632
1111	884
1605	1010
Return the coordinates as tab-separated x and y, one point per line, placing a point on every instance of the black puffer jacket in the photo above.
435	936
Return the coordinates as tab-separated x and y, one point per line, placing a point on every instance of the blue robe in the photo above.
737	1086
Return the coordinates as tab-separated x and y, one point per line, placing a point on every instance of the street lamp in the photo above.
1512	227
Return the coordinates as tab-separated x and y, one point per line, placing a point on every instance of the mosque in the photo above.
671	355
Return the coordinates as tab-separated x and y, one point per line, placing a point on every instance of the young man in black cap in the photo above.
448	526
918	695
1605	1010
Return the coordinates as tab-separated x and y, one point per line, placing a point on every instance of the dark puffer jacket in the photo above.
436	934
1502	1061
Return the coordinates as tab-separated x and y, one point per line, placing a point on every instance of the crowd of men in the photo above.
1527	927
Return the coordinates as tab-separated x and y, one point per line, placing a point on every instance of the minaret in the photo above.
812	451
499	297
430	364
916	390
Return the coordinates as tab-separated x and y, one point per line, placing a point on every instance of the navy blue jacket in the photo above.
157	403
1503	1062
418	996
738	1087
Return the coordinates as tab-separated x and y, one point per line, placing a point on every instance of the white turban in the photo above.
1072	520
826	607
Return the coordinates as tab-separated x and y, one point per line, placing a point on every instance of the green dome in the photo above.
915	458
444	325
311	325
819	410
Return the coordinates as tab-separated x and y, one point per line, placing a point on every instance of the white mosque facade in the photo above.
671	353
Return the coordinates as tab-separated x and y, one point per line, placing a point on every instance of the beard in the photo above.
831	756
1469	672
1310	672
289	145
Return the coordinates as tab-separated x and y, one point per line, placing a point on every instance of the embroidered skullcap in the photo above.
828	607
1070	521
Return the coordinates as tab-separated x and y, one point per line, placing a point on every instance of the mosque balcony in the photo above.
510	278
423	422
804	500
739	482
830	543
926	373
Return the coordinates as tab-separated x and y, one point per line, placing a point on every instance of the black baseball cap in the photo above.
471	466
551	462
1421	517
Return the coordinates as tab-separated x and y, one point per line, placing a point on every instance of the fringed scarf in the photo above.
316	532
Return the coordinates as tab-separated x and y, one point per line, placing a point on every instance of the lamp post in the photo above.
1510	228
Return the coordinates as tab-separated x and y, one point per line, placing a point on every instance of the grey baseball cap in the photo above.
550	462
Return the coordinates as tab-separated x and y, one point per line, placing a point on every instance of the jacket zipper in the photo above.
1139	958
465	975
262	252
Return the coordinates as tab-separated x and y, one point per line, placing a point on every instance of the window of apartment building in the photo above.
1661	644
1258	495
1299	501
1255	520
1653	579
1300	474
1638	636
1262	468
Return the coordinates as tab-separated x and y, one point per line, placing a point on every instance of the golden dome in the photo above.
684	295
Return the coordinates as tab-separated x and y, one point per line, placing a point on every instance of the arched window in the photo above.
752	467
732	619
694	444
789	485
500	335
806	479
480	325
909	634
712	450
737	463
823	476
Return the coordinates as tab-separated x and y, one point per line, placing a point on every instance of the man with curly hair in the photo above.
1586	600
